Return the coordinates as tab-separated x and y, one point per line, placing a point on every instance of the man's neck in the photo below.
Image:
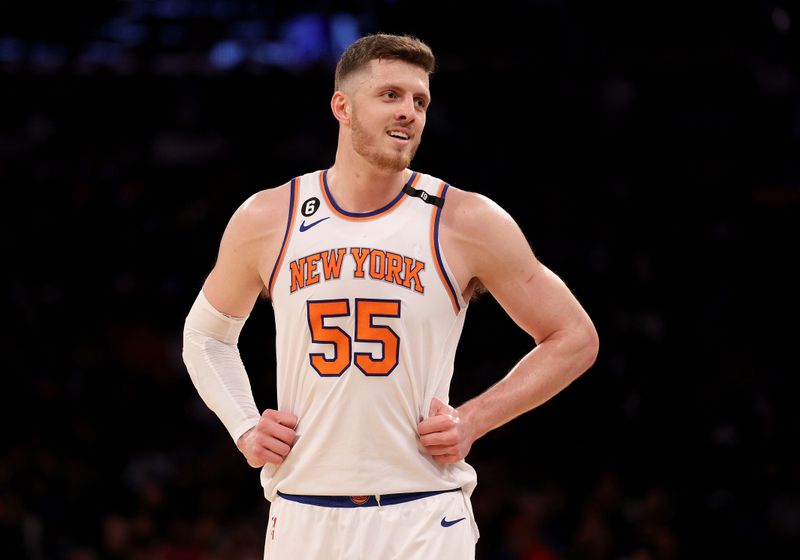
364	188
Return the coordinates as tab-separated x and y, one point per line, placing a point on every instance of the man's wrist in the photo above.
242	438
470	418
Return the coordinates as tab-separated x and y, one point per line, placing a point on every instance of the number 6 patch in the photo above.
310	206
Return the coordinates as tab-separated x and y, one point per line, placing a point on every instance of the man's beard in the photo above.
364	146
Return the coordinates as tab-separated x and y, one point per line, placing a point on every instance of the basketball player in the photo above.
370	267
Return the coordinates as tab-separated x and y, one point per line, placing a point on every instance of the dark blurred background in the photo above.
648	150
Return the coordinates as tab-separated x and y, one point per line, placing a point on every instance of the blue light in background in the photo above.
11	49
125	32
172	9
307	34
227	54
307	38
239	32
344	31
273	53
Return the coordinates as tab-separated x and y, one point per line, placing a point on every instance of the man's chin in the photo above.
392	163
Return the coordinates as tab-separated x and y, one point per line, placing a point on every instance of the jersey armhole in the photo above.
287	234
449	282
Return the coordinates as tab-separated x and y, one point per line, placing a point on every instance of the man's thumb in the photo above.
438	407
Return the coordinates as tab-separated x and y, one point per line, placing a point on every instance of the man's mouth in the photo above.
399	135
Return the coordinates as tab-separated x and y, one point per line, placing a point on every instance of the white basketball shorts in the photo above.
440	526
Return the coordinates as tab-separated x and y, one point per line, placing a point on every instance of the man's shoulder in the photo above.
267	200
471	209
453	197
273	202
262	210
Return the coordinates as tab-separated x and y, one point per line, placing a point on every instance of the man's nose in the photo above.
405	111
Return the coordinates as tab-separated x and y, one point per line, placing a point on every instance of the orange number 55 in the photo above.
366	331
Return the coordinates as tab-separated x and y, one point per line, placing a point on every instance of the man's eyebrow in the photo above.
398	87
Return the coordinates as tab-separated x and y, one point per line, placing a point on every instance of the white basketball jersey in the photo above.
367	318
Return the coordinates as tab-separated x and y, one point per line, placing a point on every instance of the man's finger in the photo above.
270	457
441	450
434	424
280	432
447	459
283	418
438	407
277	446
438	438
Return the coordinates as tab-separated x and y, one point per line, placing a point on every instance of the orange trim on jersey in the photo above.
293	194
436	255
356	216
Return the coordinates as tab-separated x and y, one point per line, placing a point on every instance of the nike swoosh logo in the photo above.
446	523
304	227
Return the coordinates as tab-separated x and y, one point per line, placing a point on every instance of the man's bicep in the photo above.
532	294
544	305
231	292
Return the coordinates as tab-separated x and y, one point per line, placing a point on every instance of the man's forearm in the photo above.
541	374
212	359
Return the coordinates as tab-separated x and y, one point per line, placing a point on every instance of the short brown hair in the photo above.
383	46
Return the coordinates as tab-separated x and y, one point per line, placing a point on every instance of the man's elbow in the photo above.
589	347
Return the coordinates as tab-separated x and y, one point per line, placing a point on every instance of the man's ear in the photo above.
340	106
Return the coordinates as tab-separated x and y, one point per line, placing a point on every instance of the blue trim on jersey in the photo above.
438	252
286	233
364	214
372	501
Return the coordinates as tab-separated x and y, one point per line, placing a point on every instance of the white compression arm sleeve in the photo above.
212	358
